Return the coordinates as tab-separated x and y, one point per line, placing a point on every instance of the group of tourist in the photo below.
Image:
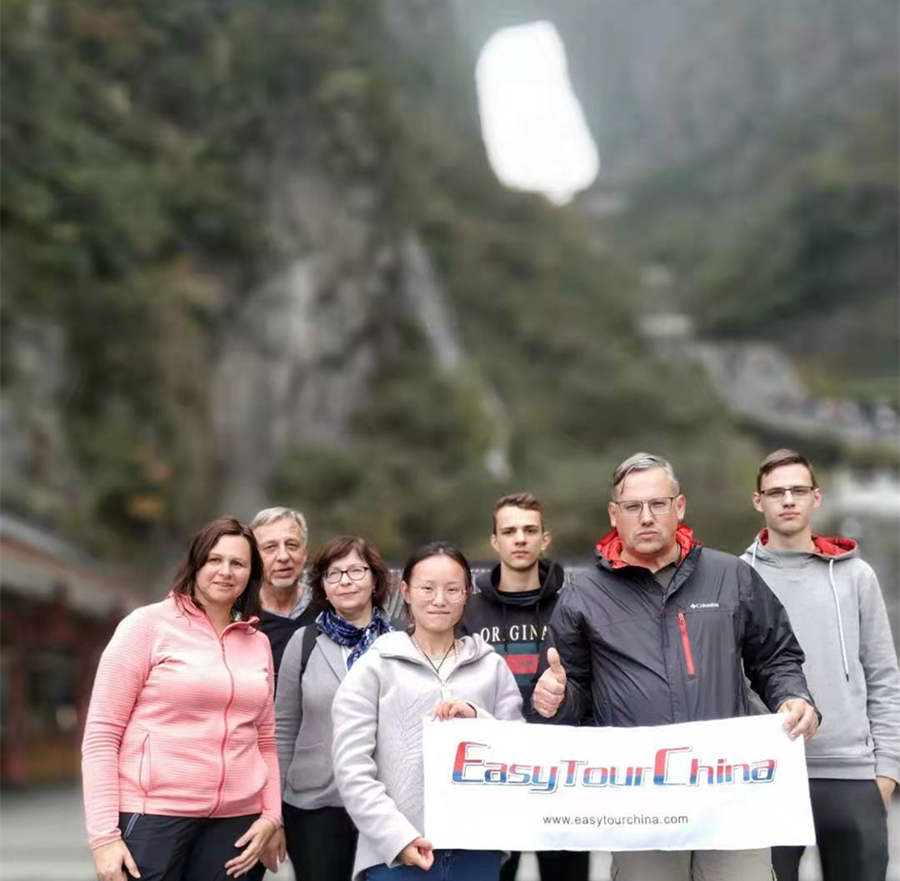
266	708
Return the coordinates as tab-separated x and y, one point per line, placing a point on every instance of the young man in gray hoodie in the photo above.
837	612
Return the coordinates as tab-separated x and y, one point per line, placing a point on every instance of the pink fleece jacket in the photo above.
181	722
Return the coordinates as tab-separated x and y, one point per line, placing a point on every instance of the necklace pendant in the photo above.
435	667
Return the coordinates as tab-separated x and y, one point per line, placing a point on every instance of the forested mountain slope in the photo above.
253	253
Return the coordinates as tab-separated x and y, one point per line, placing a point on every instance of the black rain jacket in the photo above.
636	655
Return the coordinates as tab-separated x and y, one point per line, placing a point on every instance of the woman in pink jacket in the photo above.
179	761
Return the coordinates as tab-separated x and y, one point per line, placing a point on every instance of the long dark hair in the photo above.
198	553
338	547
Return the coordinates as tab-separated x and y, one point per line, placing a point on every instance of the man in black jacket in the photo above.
510	610
713	620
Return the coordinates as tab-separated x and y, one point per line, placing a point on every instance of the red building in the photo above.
57	612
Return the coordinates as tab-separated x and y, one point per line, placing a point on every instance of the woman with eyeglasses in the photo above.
378	713
349	582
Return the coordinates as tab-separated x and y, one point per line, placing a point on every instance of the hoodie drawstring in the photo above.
837	607
840	621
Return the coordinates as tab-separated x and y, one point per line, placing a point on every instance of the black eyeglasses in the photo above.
777	493
354	573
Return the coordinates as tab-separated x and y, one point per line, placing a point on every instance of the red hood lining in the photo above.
833	546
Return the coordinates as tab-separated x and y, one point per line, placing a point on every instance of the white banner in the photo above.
729	784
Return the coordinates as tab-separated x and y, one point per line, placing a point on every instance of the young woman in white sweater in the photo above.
377	716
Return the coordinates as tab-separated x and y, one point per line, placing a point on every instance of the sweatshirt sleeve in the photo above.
289	704
355	717
772	655
879	661
271	794
123	669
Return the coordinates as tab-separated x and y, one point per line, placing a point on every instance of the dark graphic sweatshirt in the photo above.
515	624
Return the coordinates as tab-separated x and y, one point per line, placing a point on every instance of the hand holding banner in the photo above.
727	784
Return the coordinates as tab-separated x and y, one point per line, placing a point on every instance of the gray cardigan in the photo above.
377	715
303	722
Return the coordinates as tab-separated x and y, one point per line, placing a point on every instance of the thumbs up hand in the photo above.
550	691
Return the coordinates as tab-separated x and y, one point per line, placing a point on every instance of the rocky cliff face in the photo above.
301	356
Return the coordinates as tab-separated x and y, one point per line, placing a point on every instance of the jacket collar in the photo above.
551	578
398	644
333	654
187	605
609	548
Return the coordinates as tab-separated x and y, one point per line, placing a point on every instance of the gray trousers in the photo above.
692	865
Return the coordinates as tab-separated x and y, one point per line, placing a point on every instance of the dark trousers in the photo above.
182	848
851	833
555	865
321	843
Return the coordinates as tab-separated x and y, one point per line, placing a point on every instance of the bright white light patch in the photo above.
532	124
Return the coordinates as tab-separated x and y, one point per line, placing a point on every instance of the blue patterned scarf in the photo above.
344	633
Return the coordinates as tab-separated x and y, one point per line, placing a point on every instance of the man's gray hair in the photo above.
273	515
644	462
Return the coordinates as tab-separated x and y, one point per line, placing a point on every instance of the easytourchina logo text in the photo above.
670	766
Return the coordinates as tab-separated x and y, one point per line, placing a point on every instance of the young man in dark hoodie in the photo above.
510	610
838	614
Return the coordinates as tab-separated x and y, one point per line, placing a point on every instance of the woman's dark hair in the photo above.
436	549
338	547
198	553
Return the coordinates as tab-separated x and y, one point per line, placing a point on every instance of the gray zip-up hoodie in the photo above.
377	715
837	612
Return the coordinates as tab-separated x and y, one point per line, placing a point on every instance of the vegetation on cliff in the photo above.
139	144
